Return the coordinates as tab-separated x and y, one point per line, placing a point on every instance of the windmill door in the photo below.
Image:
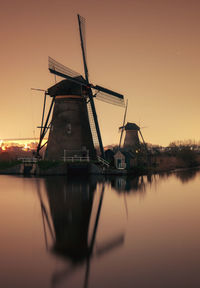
119	163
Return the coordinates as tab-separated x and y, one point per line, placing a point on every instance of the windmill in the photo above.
131	141
74	128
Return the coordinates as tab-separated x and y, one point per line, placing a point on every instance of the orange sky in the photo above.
147	50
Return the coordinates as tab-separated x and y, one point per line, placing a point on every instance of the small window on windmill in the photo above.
69	128
85	152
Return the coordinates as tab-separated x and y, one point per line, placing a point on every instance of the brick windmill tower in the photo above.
73	127
70	133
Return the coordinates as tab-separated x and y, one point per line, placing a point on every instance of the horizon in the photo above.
25	142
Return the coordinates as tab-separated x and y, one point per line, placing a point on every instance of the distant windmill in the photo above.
74	127
131	141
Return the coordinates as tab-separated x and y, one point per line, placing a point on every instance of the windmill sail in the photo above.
82	28
122	128
93	127
59	69
81	23
109	98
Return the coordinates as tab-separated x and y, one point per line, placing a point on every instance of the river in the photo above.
94	232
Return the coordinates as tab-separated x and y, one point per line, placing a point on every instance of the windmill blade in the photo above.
109	96
45	127
55	65
60	70
59	276
142	137
93	127
43	111
81	23
108	91
42	212
110	245
91	246
94	123
125	113
109	99
145	145
120	140
87	273
123	127
45	216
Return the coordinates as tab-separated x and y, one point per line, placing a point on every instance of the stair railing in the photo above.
103	161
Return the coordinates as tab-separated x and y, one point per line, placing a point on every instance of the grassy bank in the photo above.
8	164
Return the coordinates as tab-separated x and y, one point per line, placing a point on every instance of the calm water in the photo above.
140	233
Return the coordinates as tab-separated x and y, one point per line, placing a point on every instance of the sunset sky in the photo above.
148	50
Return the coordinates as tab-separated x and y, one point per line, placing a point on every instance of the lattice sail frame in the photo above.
56	66
105	97
114	98
83	32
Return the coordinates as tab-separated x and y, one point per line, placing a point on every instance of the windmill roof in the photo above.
127	154
66	87
131	126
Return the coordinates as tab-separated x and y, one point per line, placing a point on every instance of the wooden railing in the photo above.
76	159
27	160
103	161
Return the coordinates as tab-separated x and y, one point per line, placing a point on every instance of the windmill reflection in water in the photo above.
67	219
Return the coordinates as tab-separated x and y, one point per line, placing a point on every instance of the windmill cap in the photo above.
131	126
65	87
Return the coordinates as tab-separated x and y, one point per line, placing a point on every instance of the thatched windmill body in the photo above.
74	128
131	140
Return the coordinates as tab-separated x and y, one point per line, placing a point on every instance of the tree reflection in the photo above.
181	174
186	175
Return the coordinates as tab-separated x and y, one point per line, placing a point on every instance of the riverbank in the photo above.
158	164
164	163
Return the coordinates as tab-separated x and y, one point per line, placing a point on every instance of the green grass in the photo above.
8	164
45	164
